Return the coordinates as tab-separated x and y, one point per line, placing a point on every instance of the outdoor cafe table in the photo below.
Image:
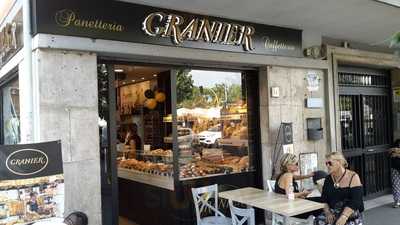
272	202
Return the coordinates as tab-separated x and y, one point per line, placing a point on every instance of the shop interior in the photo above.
174	125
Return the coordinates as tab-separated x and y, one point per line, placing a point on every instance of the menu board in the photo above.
31	183
308	164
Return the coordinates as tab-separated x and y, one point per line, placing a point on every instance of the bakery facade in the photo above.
150	102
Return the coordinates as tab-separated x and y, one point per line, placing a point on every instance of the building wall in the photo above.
289	107
69	112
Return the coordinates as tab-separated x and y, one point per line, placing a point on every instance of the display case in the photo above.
152	167
206	128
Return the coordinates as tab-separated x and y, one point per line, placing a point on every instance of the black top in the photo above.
280	190
396	163
351	197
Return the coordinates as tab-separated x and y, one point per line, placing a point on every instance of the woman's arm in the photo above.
301	177
286	180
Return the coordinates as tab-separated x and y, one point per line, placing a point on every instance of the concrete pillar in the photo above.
69	112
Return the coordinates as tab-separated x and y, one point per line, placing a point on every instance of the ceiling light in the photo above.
154	75
124	82
142	78
133	80
395	3
118	70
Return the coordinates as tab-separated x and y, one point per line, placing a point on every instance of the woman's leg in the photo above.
396	185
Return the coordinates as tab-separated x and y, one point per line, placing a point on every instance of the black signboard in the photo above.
114	20
31	183
30	160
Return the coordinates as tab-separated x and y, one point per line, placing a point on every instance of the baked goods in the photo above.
198	169
161	152
147	166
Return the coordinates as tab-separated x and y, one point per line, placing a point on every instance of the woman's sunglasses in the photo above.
295	164
328	163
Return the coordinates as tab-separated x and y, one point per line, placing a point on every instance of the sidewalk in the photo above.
379	211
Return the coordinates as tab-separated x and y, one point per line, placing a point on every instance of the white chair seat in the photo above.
216	220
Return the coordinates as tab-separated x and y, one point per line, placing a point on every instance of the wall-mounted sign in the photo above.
31	183
115	20
308	164
11	38
313	81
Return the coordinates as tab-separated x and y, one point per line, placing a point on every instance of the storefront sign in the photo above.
114	20
198	29
10	38
26	162
31	183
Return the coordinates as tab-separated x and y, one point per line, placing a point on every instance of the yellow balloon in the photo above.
160	97
151	103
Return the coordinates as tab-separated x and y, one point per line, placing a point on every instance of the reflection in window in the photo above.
212	123
11	121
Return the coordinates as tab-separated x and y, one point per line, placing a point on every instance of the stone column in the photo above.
69	112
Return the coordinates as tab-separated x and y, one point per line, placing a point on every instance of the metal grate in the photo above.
348	121
365	80
377	174
375	120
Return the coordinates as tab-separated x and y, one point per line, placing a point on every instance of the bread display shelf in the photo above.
234	142
158	180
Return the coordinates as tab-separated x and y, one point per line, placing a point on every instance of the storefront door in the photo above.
365	125
166	129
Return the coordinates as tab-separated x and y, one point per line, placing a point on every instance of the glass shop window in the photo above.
10	113
213	126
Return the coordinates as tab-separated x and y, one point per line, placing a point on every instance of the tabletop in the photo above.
270	201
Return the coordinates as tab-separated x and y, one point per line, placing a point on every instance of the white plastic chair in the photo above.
279	220
202	197
246	215
271	185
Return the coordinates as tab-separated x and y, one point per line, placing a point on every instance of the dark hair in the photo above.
76	218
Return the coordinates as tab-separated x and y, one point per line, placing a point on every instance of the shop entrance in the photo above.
165	130
365	122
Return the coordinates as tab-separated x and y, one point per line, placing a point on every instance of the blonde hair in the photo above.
286	160
339	157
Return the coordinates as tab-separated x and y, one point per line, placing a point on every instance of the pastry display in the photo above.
161	152
146	166
199	169
214	165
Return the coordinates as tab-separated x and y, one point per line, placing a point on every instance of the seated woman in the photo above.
342	193
289	165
